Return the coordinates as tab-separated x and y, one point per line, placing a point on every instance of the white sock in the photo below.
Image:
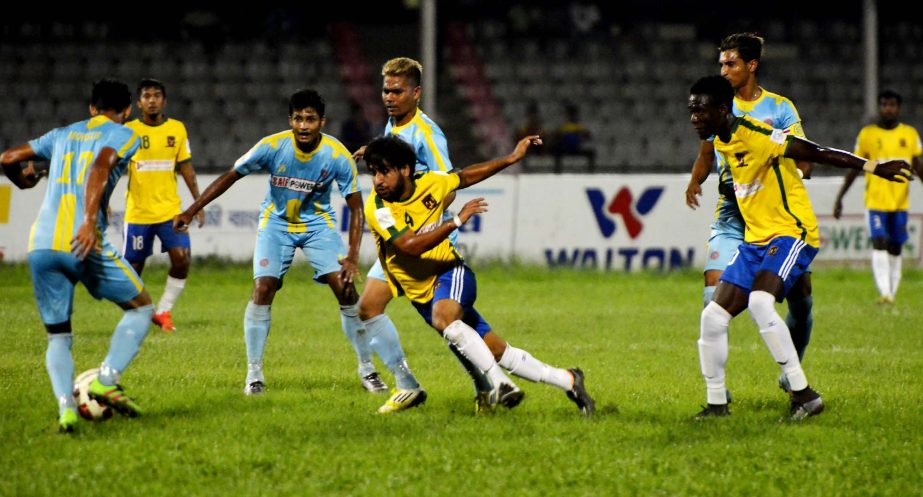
777	337
472	346
881	272
522	364
895	261
171	292
713	351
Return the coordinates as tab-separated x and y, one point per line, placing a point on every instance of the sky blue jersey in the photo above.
71	151
298	199
770	108
428	142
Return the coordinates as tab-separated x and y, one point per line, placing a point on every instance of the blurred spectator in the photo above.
357	130
533	126
572	137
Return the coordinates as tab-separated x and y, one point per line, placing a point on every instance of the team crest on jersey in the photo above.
903	143
773	250
171	141
430	202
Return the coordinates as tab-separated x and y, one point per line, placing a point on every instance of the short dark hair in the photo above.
304	98
110	94
152	83
890	95
389	152
716	87
748	45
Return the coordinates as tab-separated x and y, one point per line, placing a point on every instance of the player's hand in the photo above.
894	170
520	151
837	209
693	192
359	154
200	217
349	270
86	240
476	206
181	222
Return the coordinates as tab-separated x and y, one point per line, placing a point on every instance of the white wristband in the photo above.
457	221
869	166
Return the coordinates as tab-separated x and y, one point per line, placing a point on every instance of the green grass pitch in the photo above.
315	432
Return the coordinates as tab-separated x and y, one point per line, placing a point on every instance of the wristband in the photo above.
457	220
869	166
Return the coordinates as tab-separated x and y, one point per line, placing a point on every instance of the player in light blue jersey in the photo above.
67	243
400	93
303	163
739	57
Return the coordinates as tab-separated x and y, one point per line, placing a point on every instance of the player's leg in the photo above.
730	299
524	365
897	237
53	286
800	319
177	246
108	275
272	256
324	251
726	236
881	266
381	334
454	296
784	261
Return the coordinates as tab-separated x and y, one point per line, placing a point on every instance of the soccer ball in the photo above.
87	407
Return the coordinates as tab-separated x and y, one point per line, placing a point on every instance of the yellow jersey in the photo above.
879	144
771	196
422	212
152	196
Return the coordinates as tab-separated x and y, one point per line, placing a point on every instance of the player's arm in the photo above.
213	191
701	168
847	182
800	149
87	237
415	244
188	173
10	160
350	263
476	173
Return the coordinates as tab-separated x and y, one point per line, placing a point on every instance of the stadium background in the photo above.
625	66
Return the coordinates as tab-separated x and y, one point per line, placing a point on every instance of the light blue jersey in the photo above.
772	109
71	150
428	142
298	200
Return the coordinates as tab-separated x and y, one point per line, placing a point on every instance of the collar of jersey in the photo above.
396	129
305	156
141	121
748	105
97	120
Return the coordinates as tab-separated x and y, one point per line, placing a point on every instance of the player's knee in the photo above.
369	310
264	290
894	248
880	243
714	321
58	328
761	303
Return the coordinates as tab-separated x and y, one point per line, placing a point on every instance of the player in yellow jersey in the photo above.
152	198
405	214
780	241
885	201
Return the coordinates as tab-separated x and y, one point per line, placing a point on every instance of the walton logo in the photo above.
621	205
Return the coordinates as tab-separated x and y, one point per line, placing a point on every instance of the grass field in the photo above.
315	432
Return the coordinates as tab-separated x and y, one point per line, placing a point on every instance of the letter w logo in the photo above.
621	205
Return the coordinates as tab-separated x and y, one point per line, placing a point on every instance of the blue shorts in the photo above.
726	235
891	226
378	273
105	275
275	250
460	285
785	256
139	239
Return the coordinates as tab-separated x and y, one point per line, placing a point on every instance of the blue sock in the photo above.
256	330
800	321
356	334
60	366
481	381
126	342
384	341
707	295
